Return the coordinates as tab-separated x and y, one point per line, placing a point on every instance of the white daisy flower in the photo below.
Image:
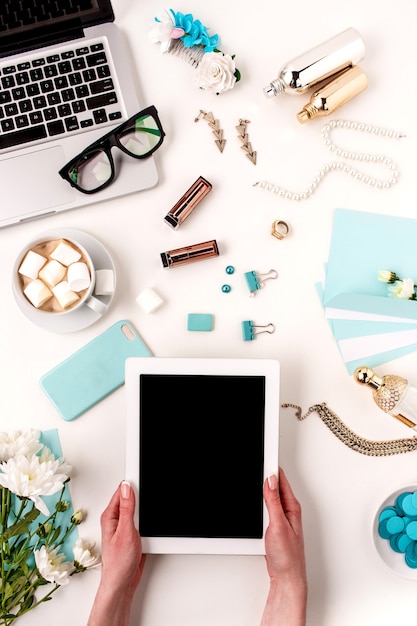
84	554
35	476
52	565
19	442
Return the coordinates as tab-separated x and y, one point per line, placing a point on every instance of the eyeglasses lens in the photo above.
141	136
91	171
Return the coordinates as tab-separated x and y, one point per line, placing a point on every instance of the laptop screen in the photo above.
29	24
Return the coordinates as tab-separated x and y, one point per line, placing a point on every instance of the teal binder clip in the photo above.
256	281
249	330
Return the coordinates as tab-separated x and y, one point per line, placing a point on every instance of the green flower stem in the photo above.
29	591
23	504
5	509
38	602
52	518
12	591
67	532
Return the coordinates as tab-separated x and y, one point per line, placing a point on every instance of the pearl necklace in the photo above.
342	165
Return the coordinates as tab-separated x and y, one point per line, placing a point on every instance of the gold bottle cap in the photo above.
387	391
366	376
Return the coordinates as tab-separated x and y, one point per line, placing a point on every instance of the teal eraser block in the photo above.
200	321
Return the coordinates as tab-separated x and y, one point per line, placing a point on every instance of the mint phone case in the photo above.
94	371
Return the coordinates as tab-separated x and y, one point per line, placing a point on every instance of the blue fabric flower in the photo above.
195	33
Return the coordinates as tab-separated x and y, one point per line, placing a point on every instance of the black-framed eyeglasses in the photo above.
93	169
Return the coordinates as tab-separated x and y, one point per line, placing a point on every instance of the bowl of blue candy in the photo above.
395	531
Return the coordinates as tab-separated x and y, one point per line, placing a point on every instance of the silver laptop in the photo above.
64	82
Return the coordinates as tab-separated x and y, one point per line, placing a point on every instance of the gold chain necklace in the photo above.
350	438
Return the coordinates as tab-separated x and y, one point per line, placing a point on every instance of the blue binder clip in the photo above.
256	281
249	331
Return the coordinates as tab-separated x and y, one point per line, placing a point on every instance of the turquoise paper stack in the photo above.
369	326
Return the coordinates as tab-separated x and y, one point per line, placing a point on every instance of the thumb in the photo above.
272	499
127	501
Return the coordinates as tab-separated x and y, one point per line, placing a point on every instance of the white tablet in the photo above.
202	436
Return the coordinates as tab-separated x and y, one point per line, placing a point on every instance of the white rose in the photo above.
215	72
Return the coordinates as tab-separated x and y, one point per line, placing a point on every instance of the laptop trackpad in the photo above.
31	182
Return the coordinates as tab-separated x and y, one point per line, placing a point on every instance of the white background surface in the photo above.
339	489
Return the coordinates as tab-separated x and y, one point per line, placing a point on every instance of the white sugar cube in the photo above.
149	300
52	273
64	295
31	264
65	254
37	293
104	282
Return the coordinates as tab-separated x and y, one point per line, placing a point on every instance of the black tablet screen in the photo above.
201	456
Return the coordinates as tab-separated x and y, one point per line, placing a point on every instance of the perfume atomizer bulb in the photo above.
392	394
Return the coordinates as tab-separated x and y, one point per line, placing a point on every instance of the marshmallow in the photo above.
37	293
104	283
52	273
64	295
65	254
78	276
31	264
148	300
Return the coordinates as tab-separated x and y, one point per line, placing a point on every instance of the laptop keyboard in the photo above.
56	95
16	13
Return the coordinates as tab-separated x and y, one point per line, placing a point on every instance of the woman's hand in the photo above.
122	561
285	559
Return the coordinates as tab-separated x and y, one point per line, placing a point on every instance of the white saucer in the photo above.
394	560
83	316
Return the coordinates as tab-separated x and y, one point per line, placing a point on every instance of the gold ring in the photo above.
280	229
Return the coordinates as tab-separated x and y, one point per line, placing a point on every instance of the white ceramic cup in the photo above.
45	246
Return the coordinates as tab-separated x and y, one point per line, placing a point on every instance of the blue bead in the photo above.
386	513
407	506
411	530
230	269
383	531
226	288
395	525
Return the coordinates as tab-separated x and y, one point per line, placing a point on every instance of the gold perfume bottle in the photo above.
393	394
332	95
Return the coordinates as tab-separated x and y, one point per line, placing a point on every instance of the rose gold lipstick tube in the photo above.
188	254
187	203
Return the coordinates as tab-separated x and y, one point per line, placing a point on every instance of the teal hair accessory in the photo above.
182	35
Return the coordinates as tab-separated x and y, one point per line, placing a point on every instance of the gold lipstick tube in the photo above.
189	254
187	203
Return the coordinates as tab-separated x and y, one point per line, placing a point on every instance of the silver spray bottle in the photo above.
334	55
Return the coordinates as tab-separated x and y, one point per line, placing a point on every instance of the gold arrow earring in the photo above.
244	138
215	128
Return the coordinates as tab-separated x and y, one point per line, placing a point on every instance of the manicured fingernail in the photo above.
125	489
273	481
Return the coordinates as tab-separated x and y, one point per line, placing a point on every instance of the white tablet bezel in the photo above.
267	368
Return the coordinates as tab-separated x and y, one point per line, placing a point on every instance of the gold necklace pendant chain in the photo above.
350	438
343	166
